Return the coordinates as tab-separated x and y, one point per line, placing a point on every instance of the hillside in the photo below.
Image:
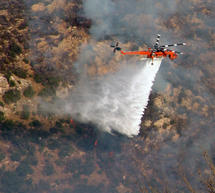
28	75
43	150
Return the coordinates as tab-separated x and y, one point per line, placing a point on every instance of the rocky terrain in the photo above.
40	43
25	75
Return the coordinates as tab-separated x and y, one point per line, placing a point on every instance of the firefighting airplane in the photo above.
157	51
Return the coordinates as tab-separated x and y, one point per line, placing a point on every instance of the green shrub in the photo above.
29	92
53	81
1	104
47	91
8	124
12	83
14	50
21	73
49	81
35	123
38	78
11	96
1	116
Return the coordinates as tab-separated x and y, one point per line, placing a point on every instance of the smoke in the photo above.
136	21
127	20
117	100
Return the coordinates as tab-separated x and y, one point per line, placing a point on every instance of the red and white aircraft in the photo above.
156	52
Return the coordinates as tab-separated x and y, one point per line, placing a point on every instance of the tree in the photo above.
29	92
21	73
12	83
11	96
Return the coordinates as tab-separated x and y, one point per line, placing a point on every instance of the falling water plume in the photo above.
116	101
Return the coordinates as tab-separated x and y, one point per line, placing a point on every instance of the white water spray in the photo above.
116	101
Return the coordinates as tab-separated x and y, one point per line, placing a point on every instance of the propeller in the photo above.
116	47
171	45
164	47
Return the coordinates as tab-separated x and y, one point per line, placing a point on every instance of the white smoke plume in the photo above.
137	21
116	101
128	20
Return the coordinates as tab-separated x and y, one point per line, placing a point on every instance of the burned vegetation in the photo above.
39	42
